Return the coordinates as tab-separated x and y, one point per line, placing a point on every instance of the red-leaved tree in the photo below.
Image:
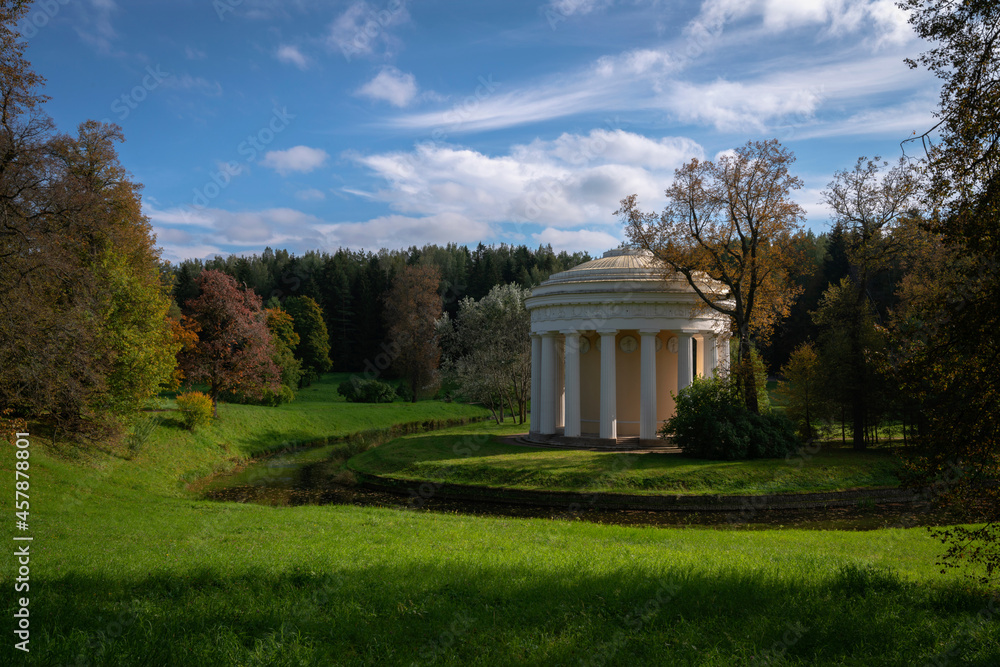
234	353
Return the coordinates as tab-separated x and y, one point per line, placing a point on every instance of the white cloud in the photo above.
395	87
94	24
362	29
794	95
574	7
310	194
291	55
486	110
568	186
301	159
901	121
173	252
576	240
614	146
191	53
176	216
184	229
193	83
887	22
398	231
648	80
572	180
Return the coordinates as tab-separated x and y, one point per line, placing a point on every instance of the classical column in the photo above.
684	359
572	384
560	385
536	382
609	397
647	385
710	352
548	397
722	343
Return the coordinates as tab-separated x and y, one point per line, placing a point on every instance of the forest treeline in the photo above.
351	285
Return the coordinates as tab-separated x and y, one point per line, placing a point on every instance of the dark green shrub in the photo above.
357	390
404	392
711	422
284	394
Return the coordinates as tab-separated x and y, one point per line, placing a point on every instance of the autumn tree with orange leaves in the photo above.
733	221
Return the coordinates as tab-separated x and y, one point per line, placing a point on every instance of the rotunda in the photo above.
610	340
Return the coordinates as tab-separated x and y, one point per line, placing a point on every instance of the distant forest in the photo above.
350	286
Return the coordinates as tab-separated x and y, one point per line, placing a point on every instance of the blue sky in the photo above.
304	125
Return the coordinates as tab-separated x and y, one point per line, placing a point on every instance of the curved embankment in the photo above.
478	468
421	491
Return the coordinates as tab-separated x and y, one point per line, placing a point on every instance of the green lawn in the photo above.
127	568
458	457
245	431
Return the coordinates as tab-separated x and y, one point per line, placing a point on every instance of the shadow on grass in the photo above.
353	613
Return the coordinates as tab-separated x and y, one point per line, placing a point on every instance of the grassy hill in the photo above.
128	568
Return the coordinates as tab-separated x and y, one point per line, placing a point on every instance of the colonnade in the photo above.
556	377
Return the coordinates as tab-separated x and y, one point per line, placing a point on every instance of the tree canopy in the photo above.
412	308
84	337
313	348
234	353
488	350
731	221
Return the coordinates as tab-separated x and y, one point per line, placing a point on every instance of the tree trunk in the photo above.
843	432
510	404
859	390
747	375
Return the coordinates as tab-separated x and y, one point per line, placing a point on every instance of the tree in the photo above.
84	338
284	340
412	308
732	222
801	389
812	276
951	364
868	203
234	353
489	350
313	349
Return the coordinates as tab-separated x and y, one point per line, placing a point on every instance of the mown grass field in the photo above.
458	457
128	568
